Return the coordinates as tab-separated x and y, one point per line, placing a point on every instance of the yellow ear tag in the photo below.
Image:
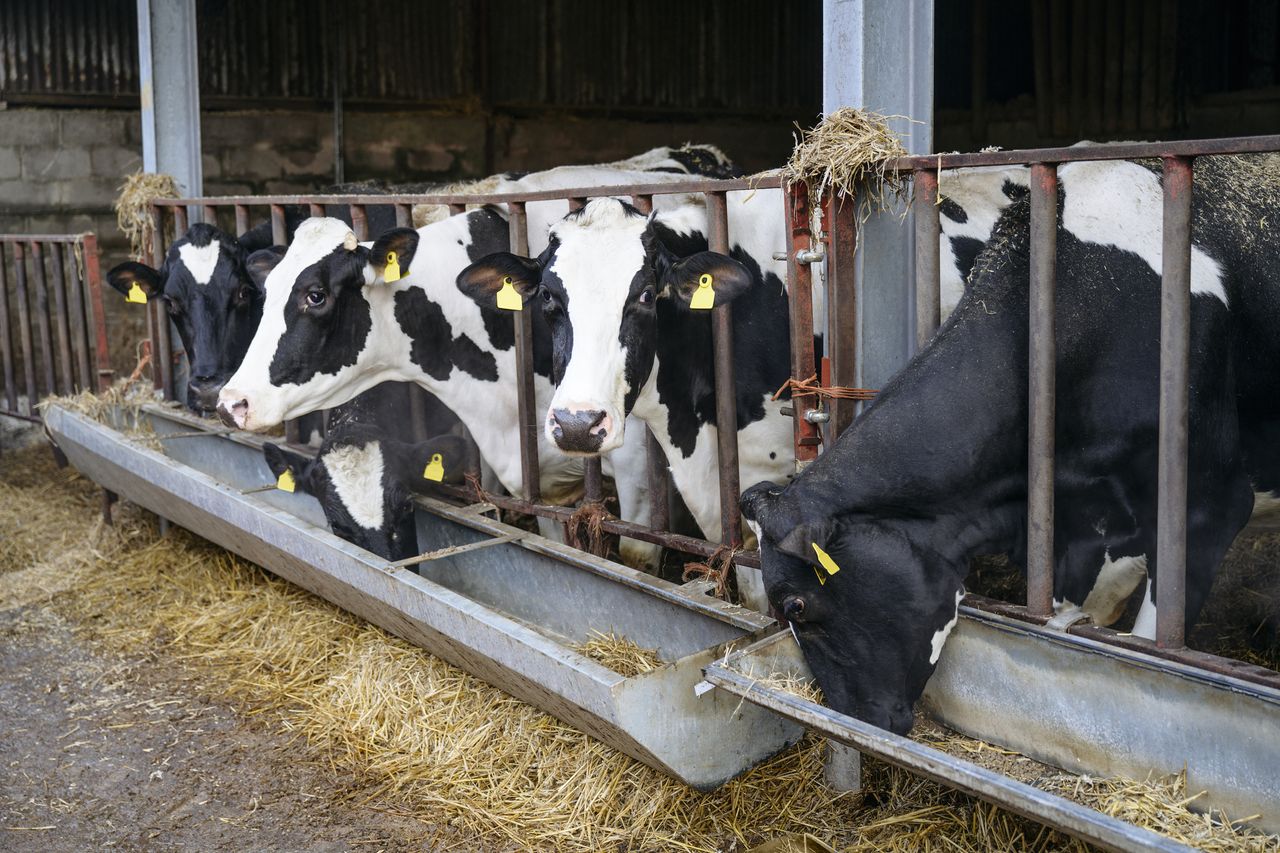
136	294
508	299
704	298
391	272
285	483
824	560
435	468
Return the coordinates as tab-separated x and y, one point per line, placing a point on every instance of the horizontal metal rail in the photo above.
1089	153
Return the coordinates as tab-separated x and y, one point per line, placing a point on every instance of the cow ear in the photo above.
262	262
800	540
392	253
767	510
280	460
706	280
493	274
126	275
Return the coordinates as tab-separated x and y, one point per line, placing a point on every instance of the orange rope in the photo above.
811	387
718	569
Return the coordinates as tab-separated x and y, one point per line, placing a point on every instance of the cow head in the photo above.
314	348
869	607
604	284
214	297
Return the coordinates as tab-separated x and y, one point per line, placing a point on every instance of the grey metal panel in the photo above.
704	742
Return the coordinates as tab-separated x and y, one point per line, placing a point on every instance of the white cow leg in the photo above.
1145	625
630	470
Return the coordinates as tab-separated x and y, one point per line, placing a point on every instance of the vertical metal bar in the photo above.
593	480
6	340
180	221
577	202
800	305
164	354
928	297
726	389
211	214
643	203
659	484
278	230
842	306
61	323
152	309
525	399
404	216
24	324
74	279
93	279
1041	387
1175	346
242	219
42	317
359	222
457	208
314	209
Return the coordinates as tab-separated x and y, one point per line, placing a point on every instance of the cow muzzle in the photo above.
579	429
234	413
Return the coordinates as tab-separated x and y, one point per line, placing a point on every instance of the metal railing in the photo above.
837	243
53	336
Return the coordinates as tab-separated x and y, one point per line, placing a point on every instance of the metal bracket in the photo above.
804	256
456	549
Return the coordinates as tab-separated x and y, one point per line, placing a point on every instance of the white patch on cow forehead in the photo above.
356	474
1121	204
940	636
200	261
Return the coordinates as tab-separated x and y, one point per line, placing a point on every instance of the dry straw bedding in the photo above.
429	741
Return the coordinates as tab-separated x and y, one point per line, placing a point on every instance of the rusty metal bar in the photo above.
153	314
518	225
842	306
593	480
61	320
93	280
726	388
77	315
805	434
1175	364
279	233
1041	387
242	219
42	318
643	202
24	325
359	221
314	209
180	221
404	216
164	356
928	294
455	209
577	202
6	341
211	214
659	483
1124	151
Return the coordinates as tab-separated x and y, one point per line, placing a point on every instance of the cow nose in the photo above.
204	391
234	415
580	430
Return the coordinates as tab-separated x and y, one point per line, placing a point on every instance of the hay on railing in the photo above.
847	152
619	653
133	209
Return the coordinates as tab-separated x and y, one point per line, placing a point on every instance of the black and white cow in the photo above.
214	296
866	552
615	288
365	480
333	326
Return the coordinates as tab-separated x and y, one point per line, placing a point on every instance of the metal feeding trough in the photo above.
509	614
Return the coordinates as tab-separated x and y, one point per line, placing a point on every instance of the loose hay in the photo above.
619	653
848	151
133	210
428	741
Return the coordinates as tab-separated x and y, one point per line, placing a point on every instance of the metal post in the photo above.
42	317
180	222
153	318
359	222
6	341
726	388
242	219
880	55
314	209
79	318
339	78
805	433
61	319
24	324
404	216
1175	346
279	234
170	90
928	296
844	330
525	399
1041	387
655	457
93	280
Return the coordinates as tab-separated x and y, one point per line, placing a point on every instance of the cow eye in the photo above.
547	298
646	296
245	294
316	298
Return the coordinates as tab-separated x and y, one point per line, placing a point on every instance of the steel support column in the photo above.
170	91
